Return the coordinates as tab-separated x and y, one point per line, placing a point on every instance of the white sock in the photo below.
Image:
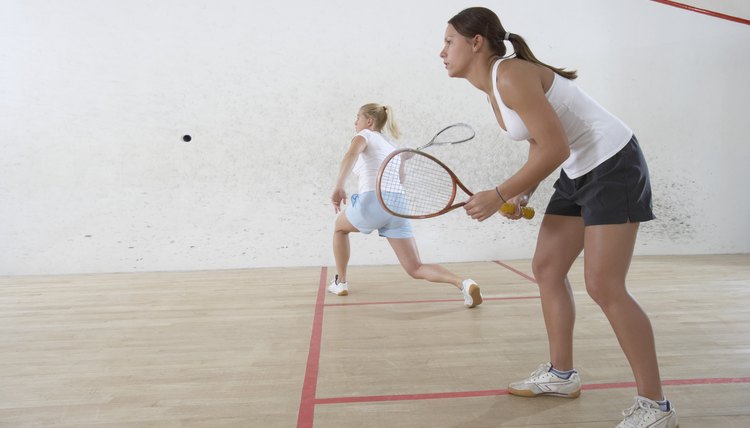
664	405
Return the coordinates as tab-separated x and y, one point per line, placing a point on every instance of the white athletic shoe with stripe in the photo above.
646	413
543	382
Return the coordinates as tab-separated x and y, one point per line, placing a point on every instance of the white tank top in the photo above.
594	134
368	163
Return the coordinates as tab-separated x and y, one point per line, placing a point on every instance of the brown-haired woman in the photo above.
600	198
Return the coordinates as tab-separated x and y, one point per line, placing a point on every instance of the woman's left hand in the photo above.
483	205
517	202
338	197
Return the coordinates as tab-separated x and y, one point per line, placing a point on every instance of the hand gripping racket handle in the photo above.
526	212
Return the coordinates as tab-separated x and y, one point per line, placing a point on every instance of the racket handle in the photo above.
526	212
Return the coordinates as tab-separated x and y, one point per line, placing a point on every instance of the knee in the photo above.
545	272
339	231
604	291
413	271
538	268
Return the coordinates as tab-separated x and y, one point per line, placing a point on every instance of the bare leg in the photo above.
559	243
609	250
408	256
341	250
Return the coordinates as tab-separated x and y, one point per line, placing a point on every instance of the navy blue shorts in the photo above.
615	192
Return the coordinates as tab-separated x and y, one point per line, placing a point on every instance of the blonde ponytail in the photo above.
383	117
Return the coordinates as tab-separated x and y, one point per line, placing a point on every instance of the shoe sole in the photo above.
343	293
531	394
476	296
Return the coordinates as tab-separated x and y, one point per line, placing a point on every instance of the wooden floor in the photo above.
268	348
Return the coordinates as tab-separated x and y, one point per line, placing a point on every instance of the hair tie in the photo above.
507	36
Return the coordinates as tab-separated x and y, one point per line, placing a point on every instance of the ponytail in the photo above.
523	51
482	21
383	117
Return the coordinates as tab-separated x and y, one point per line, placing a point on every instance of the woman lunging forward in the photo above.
366	152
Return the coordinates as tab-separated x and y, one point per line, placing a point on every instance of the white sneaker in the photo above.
338	288
646	413
543	382
471	292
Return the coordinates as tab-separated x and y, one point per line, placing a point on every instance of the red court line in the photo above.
307	403
704	11
515	270
497	392
426	301
407	397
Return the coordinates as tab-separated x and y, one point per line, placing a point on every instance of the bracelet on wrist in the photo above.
498	194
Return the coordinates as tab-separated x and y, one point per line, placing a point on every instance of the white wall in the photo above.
95	97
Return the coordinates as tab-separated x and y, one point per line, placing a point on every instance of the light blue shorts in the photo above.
366	214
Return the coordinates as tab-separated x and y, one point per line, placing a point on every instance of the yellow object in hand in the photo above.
526	212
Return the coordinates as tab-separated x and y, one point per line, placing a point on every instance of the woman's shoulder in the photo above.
517	67
365	136
514	71
369	134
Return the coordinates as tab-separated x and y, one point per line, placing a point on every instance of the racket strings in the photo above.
415	185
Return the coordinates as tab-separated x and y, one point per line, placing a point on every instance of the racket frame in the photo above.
416	152
463	140
526	212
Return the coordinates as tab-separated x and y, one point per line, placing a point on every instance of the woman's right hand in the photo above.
337	198
483	205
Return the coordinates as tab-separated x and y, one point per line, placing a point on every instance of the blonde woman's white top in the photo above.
368	163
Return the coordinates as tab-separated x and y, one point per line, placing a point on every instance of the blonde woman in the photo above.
601	197
366	152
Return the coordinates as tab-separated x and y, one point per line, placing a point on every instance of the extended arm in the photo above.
357	146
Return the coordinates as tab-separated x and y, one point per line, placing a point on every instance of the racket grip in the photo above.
526	212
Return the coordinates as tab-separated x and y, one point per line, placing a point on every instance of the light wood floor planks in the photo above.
233	348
